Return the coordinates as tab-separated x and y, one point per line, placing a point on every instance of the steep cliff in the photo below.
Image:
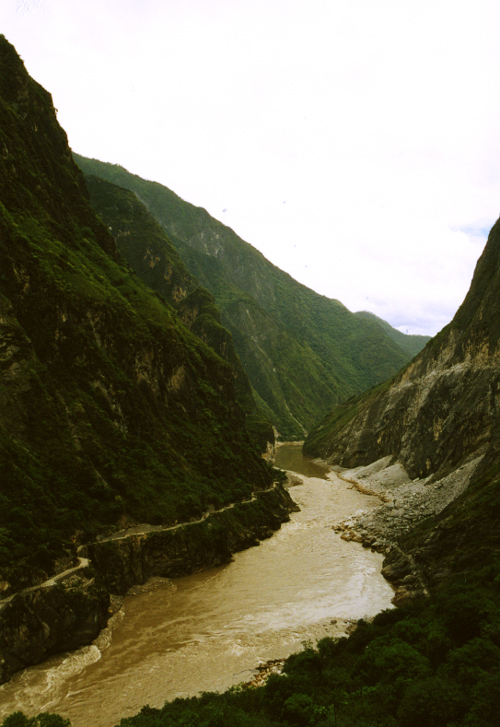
112	410
441	408
434	431
36	624
302	352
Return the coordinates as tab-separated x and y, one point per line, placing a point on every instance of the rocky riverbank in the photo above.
404	503
42	621
65	614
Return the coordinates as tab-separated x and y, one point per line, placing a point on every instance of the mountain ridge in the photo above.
302	351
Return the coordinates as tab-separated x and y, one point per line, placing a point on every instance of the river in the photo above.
208	631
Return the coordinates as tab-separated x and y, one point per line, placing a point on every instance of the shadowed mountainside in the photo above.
148	250
111	409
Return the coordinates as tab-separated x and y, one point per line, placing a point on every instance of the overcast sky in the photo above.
355	143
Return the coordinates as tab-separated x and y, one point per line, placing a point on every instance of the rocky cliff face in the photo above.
436	420
146	247
112	410
441	408
45	621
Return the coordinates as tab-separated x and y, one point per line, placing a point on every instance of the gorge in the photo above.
124	405
122	402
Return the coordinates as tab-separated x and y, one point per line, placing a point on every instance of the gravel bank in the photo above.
404	503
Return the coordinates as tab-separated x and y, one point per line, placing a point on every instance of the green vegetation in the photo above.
44	719
412	344
111	409
148	250
303	353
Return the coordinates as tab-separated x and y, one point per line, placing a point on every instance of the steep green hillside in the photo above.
412	344
111	409
303	353
147	248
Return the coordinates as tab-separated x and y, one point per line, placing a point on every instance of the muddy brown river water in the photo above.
209	631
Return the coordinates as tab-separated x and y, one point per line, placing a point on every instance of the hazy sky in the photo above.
356	143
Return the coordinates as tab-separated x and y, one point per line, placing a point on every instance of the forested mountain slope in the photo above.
412	344
147	248
111	408
303	353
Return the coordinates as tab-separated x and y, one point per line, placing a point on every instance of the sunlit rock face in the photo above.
439	419
440	409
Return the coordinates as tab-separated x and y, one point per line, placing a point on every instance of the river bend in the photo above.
210	630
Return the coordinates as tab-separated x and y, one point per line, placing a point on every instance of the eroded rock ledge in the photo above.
64	615
134	559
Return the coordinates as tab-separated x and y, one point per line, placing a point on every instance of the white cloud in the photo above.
376	123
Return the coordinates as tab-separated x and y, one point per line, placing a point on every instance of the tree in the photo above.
44	719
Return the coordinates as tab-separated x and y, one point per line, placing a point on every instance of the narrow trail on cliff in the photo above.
212	629
146	528
141	529
52	581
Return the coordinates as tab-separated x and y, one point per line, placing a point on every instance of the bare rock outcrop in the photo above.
43	621
403	505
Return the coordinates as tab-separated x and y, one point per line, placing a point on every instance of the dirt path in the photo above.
82	563
121	535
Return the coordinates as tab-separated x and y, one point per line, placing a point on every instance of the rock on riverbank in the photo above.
38	623
404	503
